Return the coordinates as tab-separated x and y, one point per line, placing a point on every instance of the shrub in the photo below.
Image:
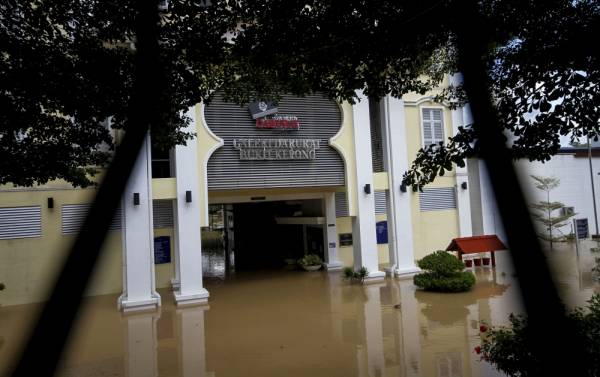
310	260
507	347
443	273
2	286
458	282
359	276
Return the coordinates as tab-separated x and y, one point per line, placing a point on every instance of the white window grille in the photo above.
432	121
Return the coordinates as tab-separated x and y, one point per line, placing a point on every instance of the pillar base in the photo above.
406	272
334	266
175	284
128	306
375	277
198	298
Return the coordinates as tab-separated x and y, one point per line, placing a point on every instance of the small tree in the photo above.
545	210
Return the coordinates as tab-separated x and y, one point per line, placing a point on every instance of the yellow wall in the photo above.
344	225
343	142
432	230
165	271
28	266
346	253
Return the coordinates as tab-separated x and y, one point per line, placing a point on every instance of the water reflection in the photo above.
298	324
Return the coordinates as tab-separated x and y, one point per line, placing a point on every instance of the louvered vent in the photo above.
20	222
73	216
319	118
380	202
376	139
341	204
435	199
162	213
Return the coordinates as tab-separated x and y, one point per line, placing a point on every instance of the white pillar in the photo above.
140	352
193	349
363	225
138	237
399	208
463	200
187	222
332	261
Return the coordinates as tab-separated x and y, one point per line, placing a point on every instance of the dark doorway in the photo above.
262	243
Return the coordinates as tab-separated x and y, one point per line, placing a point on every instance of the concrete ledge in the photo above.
129	306
198	298
375	277
334	266
407	272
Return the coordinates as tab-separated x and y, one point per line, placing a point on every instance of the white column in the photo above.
187	222
463	200
193	349
363	225
399	208
138	238
140	352
332	261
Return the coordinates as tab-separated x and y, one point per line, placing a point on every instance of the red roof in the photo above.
476	244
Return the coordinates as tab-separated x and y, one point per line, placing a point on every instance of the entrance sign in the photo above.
277	149
581	228
279	122
382	232
162	250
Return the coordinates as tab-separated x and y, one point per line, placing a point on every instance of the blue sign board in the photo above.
581	229
382	232
162	250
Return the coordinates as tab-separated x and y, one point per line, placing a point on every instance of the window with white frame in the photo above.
432	124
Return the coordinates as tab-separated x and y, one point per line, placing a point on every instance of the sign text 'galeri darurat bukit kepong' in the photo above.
277	149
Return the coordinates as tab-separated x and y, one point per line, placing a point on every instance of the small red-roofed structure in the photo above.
475	245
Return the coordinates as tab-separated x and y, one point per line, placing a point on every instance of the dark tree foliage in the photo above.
545	78
67	66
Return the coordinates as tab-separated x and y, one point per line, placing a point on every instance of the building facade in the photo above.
307	175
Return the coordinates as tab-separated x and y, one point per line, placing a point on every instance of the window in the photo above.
433	126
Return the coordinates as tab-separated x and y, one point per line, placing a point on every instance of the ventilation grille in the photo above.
20	222
380	202
376	139
73	216
435	199
162	213
320	118
341	204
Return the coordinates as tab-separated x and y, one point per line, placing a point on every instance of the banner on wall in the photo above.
382	232
162	250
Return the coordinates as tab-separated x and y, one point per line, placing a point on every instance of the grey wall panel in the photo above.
73	216
435	199
380	202
162	213
341	204
319	118
20	222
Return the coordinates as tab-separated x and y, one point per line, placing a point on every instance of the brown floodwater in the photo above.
294	323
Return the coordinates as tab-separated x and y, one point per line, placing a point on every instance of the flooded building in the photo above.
266	183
